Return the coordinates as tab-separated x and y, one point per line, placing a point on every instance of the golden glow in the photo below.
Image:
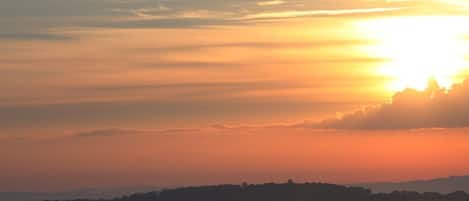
461	3
419	48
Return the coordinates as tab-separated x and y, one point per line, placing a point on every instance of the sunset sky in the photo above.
118	93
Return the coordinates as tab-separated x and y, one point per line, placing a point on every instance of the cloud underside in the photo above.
411	109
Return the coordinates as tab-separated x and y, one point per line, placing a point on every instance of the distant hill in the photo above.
384	191
441	185
286	192
70	195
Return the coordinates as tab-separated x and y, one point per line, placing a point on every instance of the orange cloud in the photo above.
411	109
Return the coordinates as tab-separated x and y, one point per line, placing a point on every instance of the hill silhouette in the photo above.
440	185
285	192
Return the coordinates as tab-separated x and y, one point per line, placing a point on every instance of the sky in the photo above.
115	93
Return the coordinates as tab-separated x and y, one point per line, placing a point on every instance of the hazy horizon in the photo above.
114	93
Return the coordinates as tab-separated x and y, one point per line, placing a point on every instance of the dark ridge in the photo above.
284	192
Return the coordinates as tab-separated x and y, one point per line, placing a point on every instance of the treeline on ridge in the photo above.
284	192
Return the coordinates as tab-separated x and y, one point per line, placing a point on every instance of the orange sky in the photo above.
113	93
232	155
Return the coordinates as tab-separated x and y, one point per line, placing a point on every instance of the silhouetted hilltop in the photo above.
441	185
286	192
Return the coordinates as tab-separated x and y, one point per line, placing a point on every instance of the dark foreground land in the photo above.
285	192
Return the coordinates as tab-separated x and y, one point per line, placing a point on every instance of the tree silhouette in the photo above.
289	191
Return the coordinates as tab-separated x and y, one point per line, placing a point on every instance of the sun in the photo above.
419	48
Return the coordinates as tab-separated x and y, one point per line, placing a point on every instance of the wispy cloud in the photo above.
256	45
36	36
38	16
271	3
112	132
107	133
309	13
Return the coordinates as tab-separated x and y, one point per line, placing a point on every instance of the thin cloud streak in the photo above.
271	3
114	132
311	13
36	36
258	45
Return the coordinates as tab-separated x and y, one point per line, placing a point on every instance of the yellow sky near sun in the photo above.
419	48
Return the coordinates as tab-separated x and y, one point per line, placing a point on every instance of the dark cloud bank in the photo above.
411	109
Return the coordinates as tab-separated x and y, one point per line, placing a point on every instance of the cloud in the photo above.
257	45
37	16
200	107
271	3
36	36
311	13
59	14
162	23
111	132
107	133
411	109
214	87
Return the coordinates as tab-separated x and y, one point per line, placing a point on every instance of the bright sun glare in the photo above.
419	48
